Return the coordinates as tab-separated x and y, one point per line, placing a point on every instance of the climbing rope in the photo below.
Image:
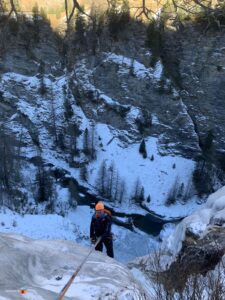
68	284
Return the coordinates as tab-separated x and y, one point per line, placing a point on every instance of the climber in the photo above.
101	226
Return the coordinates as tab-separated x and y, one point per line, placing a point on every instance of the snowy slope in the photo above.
157	173
42	268
112	145
75	227
156	176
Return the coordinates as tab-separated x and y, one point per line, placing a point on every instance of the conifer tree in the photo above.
92	142
44	183
111	180
142	149
141	197
148	200
101	181
80	27
113	18
68	110
138	194
122	191
84	173
86	147
9	170
125	13
42	88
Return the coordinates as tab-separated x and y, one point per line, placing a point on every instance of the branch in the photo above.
76	5
144	11
203	6
13	9
176	6
66	8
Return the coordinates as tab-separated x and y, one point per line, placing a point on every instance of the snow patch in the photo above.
131	65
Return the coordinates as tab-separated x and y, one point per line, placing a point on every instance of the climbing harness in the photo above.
68	284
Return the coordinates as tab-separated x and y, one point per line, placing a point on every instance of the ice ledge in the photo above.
43	267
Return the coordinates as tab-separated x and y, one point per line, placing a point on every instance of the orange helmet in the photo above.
99	206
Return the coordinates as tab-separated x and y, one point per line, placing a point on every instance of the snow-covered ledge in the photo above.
196	246
42	268
198	224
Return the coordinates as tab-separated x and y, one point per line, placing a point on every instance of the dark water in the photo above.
150	223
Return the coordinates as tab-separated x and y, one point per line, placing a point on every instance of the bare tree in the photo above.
66	9
116	188
144	10
53	116
206	9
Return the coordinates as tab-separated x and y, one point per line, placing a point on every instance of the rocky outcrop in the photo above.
137	85
196	61
182	97
197	244
197	256
191	256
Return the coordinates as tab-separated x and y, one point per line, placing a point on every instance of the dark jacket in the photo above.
101	225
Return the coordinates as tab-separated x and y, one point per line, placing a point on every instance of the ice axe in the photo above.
70	281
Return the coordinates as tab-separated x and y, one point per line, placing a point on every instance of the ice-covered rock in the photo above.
42	268
196	246
200	223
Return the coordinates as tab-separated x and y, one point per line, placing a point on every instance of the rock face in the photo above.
42	268
187	106
193	254
138	85
172	101
196	60
197	256
181	107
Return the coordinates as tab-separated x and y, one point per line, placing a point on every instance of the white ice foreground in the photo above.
38	265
